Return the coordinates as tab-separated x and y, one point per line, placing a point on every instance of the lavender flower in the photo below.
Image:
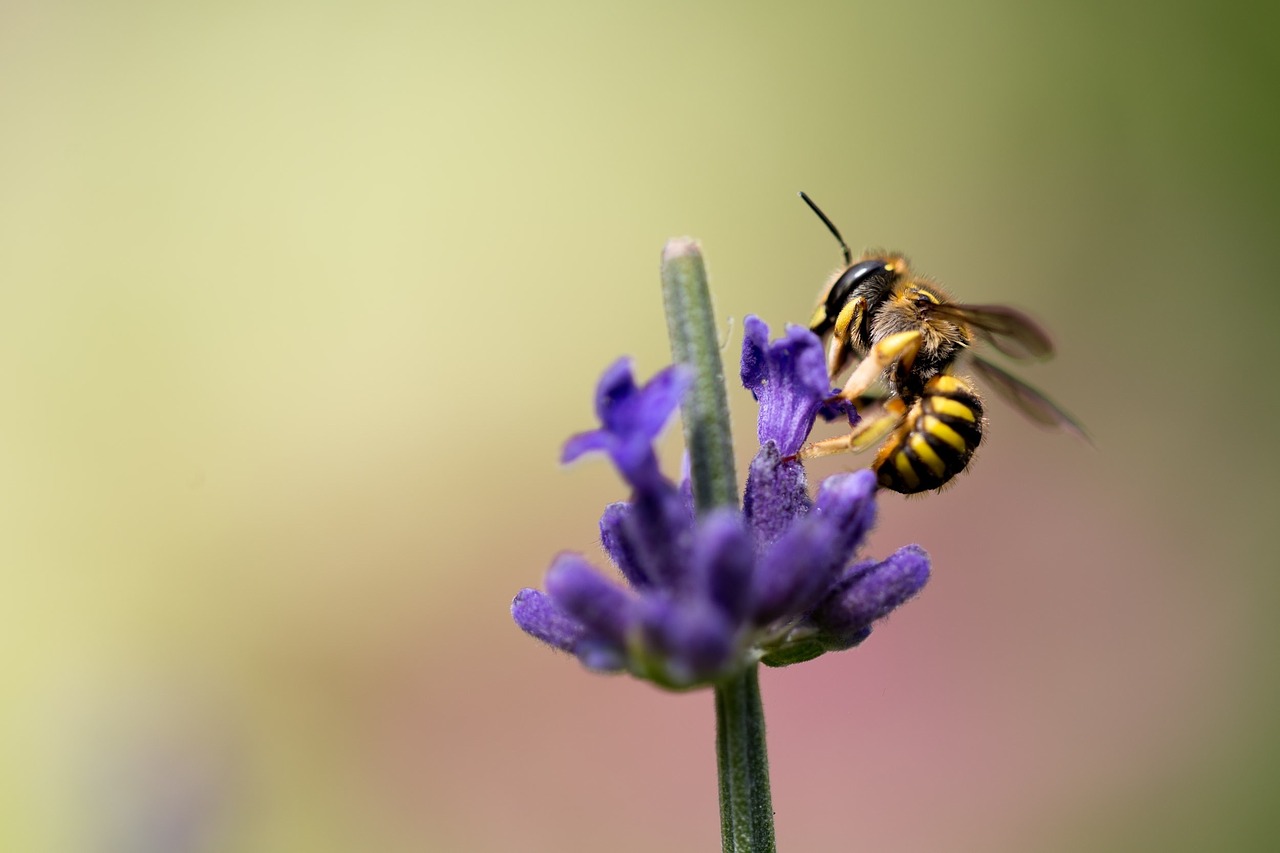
708	596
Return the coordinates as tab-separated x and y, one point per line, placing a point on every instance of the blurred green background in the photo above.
300	299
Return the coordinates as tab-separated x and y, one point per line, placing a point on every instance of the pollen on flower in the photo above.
705	596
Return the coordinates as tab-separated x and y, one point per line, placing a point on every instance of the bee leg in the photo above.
838	348
870	397
837	354
864	435
902	346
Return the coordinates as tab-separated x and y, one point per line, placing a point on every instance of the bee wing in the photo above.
1011	332
1026	399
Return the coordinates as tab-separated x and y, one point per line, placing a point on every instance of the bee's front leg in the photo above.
900	347
838	348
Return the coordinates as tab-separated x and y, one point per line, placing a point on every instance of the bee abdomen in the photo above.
941	431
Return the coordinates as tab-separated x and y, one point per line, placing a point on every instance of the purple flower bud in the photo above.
690	640
723	560
795	572
537	615
600	655
620	546
776	495
604	609
800	566
867	592
846	503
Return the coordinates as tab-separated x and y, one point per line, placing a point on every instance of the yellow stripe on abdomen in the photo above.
942	432
926	454
952	409
947	384
903	463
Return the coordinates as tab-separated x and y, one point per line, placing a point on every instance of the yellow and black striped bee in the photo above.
906	329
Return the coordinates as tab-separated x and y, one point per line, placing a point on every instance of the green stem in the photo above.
746	807
705	410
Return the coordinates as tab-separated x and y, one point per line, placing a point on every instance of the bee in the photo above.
906	329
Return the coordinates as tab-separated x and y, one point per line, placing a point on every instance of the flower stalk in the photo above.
746	805
704	410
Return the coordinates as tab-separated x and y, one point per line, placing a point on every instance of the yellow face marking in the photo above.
945	384
952	408
927	454
819	315
903	463
941	431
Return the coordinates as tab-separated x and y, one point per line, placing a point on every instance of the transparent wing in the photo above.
1026	399
1009	331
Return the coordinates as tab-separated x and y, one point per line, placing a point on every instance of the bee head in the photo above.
870	280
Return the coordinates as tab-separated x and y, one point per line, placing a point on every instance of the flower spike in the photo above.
708	596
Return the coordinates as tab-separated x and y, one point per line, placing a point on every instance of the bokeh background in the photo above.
300	300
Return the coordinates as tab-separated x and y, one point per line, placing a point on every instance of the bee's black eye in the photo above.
864	270
854	276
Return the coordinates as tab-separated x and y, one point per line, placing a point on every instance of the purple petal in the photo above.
723	560
632	456
836	407
690	640
870	591
582	443
631	418
645	411
537	614
604	609
776	495
789	380
616	385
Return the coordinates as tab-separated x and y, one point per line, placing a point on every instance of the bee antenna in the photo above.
848	256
